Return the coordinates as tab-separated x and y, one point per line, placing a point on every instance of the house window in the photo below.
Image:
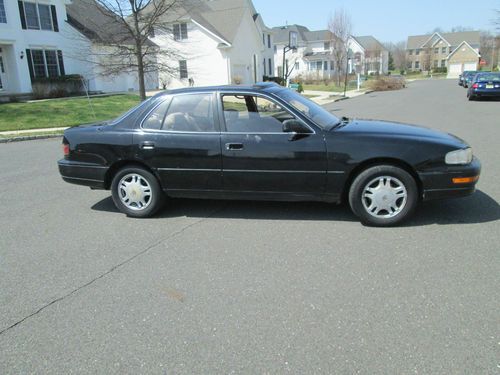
443	49
417	52
319	65
325	65
410	52
183	69
332	66
45	63
417	64
436	63
264	63
180	31
38	16
270	67
408	65
3	17
326	46
297	65
443	63
451	49
263	39
436	50
268	40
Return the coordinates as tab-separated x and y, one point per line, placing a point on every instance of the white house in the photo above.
38	40
217	42
314	59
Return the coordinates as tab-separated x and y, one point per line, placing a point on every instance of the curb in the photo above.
29	138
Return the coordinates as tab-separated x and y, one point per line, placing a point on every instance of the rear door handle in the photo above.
147	145
234	146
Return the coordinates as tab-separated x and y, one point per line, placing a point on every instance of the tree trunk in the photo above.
140	57
140	73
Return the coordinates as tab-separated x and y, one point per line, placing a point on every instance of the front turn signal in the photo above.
465	180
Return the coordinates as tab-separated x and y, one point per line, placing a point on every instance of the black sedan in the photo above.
264	142
484	85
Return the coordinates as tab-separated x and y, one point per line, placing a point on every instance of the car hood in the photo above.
398	130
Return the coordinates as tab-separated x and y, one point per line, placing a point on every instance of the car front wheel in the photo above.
136	192
383	195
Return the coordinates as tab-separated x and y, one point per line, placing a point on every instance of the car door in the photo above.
180	140
258	156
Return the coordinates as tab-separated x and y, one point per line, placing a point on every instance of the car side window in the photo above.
154	121
183	113
253	114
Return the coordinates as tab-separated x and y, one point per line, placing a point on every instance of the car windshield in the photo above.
308	108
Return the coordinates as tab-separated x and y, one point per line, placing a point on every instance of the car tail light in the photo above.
65	147
475	86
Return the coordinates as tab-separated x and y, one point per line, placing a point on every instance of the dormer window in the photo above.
180	31
36	16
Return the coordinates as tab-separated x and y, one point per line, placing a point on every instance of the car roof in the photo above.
268	87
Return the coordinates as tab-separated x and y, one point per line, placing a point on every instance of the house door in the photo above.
3	75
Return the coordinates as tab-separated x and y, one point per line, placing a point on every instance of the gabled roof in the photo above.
369	43
318	36
98	24
220	17
281	33
467	45
453	39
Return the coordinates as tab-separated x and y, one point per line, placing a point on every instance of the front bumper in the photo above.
439	184
86	174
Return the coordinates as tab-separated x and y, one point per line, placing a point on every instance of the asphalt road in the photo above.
243	287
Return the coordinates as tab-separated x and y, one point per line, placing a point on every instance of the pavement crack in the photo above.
112	269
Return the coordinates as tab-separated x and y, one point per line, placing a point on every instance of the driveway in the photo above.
242	287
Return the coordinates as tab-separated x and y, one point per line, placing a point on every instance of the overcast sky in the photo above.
387	20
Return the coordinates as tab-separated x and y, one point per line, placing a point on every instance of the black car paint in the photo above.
316	166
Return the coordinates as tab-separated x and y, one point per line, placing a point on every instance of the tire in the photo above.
136	192
383	195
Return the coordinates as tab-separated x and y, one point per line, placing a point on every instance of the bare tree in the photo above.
487	48
398	51
340	27
122	30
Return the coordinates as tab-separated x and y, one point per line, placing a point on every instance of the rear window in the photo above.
488	77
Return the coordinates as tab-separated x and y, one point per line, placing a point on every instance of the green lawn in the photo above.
63	112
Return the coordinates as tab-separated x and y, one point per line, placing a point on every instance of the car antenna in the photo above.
88	98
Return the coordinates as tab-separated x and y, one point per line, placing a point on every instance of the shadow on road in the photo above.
478	208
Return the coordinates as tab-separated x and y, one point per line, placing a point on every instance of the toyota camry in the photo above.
264	142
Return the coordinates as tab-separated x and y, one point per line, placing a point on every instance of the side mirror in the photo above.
294	126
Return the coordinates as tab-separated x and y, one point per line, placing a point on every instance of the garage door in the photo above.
470	66
454	70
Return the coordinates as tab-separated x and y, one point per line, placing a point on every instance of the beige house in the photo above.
455	51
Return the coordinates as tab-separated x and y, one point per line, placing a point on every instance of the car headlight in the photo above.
459	156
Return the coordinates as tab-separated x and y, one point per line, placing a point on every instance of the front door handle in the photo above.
234	146
147	145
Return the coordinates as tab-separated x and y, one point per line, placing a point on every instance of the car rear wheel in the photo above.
383	195
136	192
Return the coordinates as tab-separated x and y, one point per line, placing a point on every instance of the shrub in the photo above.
387	83
57	87
440	70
